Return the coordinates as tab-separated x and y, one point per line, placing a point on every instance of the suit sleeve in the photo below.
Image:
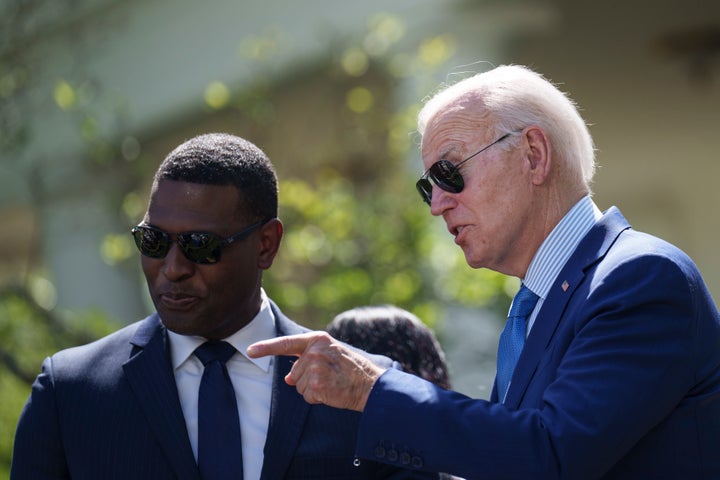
403	468
38	449
629	351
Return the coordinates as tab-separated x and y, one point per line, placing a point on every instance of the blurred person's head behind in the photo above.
396	333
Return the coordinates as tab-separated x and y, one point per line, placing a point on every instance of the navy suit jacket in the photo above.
110	410
619	379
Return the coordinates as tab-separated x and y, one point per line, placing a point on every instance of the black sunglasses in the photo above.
446	174
198	247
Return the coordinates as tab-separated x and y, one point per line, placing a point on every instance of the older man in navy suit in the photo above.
609	365
147	402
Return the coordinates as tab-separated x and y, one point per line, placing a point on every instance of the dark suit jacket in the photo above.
110	410
619	379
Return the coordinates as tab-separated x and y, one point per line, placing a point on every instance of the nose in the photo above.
176	266
440	201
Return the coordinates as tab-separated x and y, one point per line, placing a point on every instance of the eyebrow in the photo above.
453	148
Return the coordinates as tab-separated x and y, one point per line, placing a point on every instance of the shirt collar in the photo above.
261	327
557	248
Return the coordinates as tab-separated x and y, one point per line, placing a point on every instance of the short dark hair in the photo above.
396	333
225	159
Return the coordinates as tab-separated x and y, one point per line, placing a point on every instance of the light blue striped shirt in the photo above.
557	249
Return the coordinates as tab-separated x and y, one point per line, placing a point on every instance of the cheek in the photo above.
492	210
150	267
221	281
226	294
497	197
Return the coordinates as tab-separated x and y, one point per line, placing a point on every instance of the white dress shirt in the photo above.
252	381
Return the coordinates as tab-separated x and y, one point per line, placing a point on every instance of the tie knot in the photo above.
214	350
523	303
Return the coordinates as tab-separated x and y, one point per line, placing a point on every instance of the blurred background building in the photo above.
94	93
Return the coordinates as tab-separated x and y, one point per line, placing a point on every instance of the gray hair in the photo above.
514	97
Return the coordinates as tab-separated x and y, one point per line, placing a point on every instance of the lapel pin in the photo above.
565	285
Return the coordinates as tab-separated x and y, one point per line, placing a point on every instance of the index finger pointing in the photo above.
290	345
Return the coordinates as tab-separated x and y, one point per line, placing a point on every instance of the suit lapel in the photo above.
545	325
151	378
590	250
288	411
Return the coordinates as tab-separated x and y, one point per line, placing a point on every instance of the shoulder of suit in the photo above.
93	352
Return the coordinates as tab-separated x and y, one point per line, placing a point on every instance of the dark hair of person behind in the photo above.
224	159
396	333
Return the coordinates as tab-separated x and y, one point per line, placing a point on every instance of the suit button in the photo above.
405	458
416	462
392	455
379	451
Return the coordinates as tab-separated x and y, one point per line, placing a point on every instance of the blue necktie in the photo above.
219	446
512	338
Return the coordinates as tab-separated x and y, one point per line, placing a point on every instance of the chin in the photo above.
175	323
472	261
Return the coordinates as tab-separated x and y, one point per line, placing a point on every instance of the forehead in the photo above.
451	131
179	206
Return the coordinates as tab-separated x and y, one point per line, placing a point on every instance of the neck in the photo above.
546	215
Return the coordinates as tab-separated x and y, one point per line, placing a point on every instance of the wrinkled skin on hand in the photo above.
327	371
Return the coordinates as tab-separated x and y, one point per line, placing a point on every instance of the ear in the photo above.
270	236
538	154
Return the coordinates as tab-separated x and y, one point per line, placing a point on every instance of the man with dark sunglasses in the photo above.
174	396
609	364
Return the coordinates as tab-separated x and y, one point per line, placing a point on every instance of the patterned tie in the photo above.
219	446
512	338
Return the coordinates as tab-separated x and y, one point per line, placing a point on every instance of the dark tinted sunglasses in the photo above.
446	174
198	247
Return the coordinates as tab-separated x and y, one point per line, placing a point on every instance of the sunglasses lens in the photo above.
200	247
447	176
151	242
425	188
